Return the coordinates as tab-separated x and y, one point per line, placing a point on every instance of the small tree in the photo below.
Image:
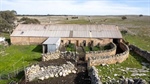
140	15
124	17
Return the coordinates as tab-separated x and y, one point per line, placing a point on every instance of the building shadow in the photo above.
138	58
82	78
38	49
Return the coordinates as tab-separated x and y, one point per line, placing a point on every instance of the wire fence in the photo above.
8	75
14	71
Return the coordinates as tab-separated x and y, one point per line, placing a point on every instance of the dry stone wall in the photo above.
118	58
141	52
56	55
36	72
50	56
93	73
109	52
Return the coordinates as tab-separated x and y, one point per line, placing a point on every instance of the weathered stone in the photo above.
73	71
51	75
60	73
115	74
64	74
41	78
56	75
46	77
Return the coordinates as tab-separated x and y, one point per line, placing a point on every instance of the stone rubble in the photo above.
36	72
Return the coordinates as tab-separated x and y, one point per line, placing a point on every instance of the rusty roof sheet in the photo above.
67	30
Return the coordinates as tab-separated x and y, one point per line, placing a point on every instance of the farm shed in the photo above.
51	45
80	35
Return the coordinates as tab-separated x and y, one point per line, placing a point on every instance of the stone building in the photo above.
80	35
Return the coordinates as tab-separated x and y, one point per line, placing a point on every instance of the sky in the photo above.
77	7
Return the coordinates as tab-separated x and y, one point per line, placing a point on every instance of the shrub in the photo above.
124	17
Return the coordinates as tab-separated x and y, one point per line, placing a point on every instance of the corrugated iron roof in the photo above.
51	41
67	30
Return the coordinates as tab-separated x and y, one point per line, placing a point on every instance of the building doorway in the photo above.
84	42
92	42
77	43
116	41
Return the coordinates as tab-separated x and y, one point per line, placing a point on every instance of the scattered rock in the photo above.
115	74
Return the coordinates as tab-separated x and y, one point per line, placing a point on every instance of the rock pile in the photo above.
50	56
41	73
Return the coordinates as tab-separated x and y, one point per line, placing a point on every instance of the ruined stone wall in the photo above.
141	52
27	40
118	58
93	73
109	52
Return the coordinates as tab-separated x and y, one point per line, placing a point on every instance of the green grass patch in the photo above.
97	48
139	41
70	47
133	61
17	57
87	48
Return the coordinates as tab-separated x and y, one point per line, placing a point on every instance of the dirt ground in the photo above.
81	77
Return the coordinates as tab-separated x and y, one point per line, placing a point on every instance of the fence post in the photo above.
8	76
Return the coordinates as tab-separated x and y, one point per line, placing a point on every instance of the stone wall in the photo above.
64	55
141	52
27	40
109	52
118	58
50	56
38	72
93	73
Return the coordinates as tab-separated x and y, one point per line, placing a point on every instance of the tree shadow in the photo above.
20	75
38	49
8	40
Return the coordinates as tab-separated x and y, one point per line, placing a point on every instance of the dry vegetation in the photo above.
137	27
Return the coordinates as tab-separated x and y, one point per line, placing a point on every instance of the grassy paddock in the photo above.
18	57
140	41
76	22
134	61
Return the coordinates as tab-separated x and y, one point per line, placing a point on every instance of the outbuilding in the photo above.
51	45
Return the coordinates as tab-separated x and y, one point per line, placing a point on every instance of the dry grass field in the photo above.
136	26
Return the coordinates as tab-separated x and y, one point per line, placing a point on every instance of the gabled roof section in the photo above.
67	30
